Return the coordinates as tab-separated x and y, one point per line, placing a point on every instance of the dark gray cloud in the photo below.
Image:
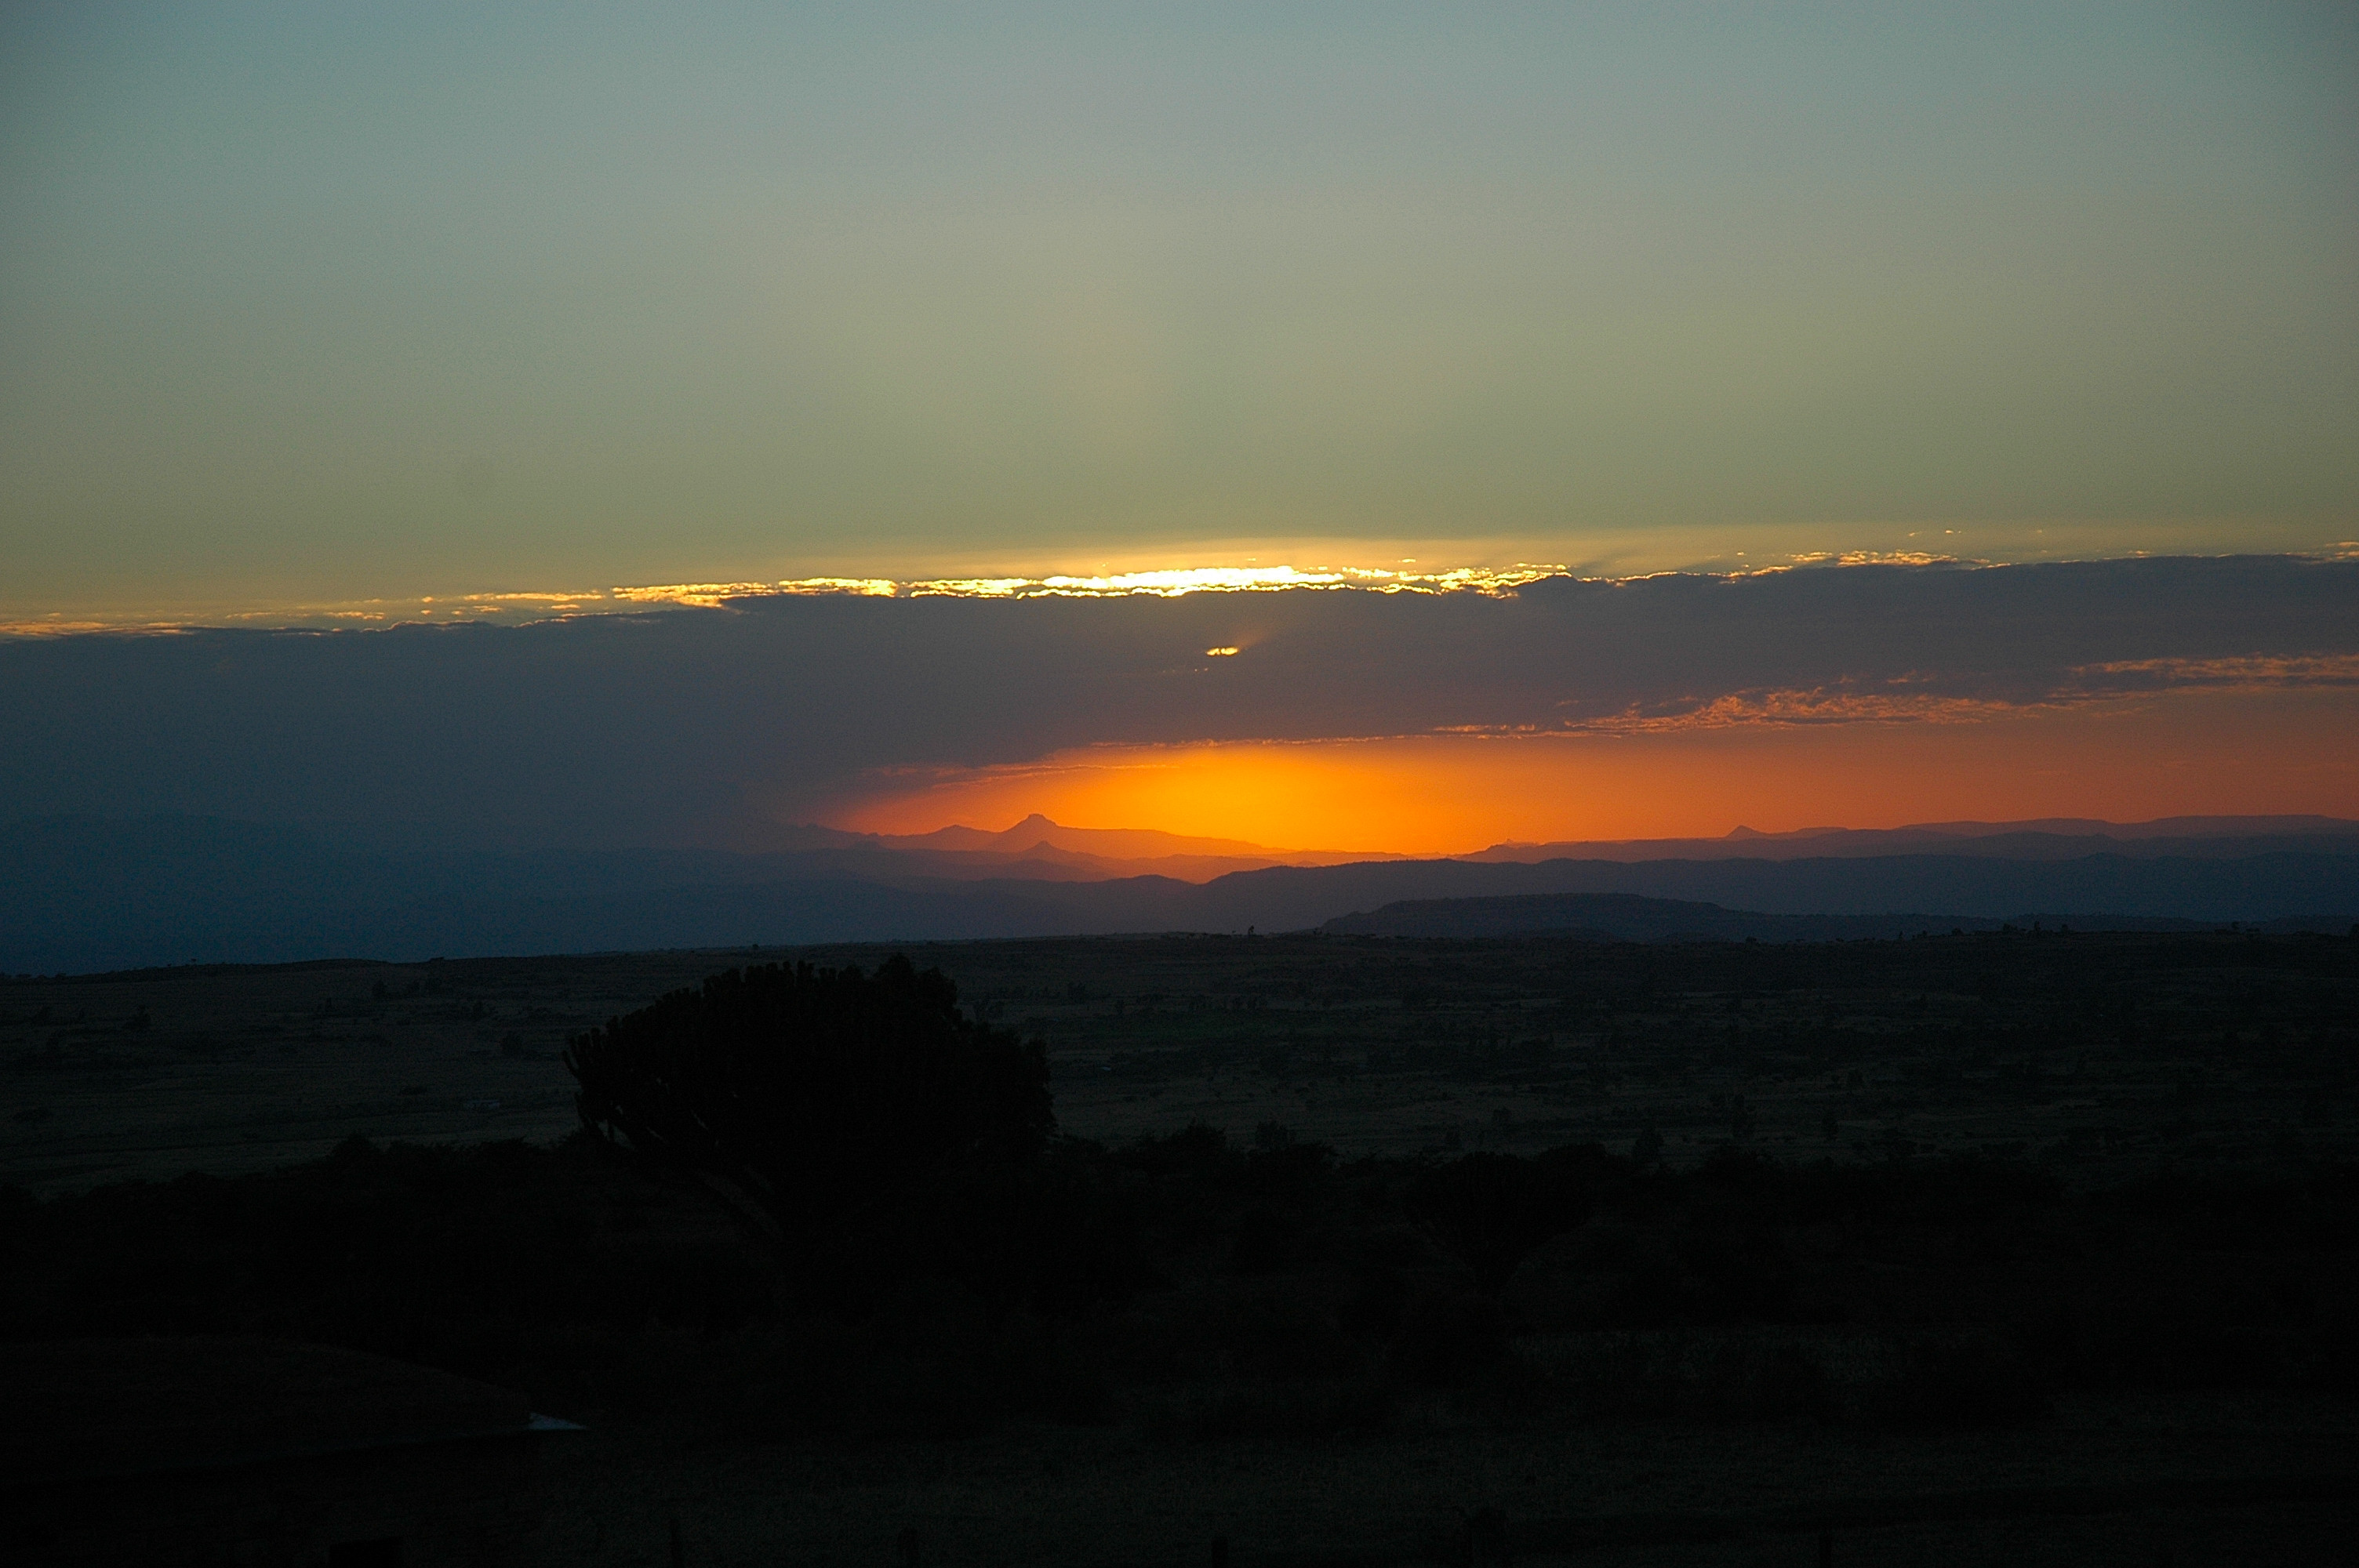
696	726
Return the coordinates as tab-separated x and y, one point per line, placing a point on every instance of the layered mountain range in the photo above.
82	894
1037	849
2046	838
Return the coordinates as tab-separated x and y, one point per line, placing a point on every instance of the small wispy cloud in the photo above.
1785	708
1862	558
713	595
2244	672
1890	702
1814	707
58	626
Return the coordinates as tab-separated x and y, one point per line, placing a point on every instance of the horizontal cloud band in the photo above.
692	724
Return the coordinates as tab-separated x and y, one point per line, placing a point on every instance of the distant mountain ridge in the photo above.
2046	838
79	895
1626	917
1040	848
1056	852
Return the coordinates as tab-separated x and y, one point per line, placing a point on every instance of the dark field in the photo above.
2032	1247
2102	1053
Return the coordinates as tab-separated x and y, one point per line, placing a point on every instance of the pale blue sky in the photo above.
301	304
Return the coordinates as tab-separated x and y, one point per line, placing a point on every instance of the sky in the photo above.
558	317
1871	696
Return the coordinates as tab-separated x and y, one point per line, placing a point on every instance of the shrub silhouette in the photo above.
1448	1337
812	1098
1936	1296
1495	1210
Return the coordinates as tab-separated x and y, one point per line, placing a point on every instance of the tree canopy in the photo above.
814	1095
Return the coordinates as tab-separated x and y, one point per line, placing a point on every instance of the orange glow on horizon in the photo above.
2194	753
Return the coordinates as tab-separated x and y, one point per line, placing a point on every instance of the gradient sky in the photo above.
394	316
313	305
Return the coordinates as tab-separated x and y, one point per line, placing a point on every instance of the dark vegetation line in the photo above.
907	1248
1489	1535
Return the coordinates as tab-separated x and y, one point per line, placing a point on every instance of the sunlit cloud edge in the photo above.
525	607
512	608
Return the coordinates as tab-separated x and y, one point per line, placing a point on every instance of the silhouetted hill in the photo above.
1624	917
2251	888
1616	916
80	897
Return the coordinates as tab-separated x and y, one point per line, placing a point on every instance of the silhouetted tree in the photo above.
810	1095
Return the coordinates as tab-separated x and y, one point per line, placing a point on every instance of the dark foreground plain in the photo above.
2032	1247
2101	1055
